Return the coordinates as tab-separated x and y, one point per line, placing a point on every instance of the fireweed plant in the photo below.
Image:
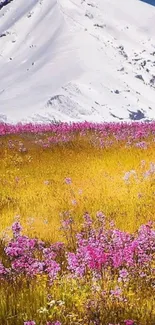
77	238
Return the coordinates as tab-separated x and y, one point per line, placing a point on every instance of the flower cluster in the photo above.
23	251
98	249
102	253
100	134
104	249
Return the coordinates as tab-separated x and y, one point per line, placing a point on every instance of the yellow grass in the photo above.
32	185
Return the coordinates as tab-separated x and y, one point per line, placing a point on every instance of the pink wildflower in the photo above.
129	322
68	180
16	228
3	270
74	202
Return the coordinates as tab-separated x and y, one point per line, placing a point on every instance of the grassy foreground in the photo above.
49	178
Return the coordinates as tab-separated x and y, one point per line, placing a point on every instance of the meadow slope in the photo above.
77	237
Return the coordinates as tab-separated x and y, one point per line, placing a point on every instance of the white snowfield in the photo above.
77	60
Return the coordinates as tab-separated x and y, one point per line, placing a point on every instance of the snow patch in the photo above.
77	60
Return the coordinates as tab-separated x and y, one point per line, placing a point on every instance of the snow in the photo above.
77	60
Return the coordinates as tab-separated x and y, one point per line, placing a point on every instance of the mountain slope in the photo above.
75	60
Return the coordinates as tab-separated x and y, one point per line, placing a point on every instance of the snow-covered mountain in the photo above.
76	60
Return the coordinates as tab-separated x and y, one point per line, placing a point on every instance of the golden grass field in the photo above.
40	186
32	184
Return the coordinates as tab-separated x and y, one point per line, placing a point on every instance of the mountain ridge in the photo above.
77	60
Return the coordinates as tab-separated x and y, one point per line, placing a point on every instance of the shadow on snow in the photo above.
3	3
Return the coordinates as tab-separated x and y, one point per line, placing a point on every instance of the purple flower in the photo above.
100	216
30	322
141	145
16	228
52	268
129	322
117	292
74	202
88	220
3	270
123	273
22	245
66	223
68	180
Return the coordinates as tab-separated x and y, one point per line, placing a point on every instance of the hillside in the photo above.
77	60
